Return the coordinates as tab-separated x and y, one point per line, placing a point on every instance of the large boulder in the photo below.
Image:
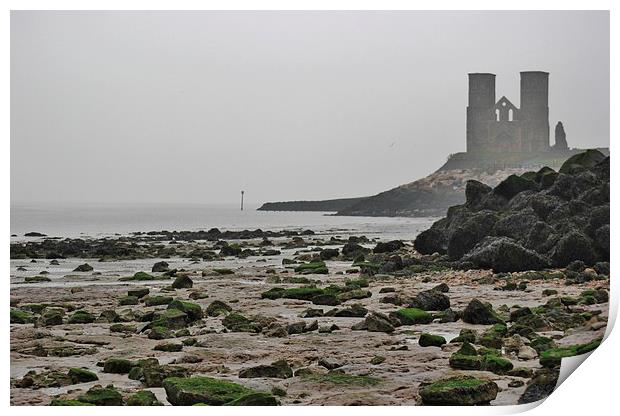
503	254
182	282
431	241
388	247
513	185
459	391
481	313
601	240
375	322
431	300
160	266
580	161
467	235
102	396
475	191
573	246
515	225
203	390
541	386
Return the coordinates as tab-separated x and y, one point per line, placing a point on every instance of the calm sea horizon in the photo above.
97	220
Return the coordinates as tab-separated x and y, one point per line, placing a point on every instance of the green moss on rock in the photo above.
429	340
157	300
170	319
128	300
553	356
495	364
207	390
313	267
459	391
117	366
236	322
193	310
143	398
102	396
412	316
81	375
81	317
21	317
139	293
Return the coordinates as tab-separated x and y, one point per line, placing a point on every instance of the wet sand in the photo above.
222	354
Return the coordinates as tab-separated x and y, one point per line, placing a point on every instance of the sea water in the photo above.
99	220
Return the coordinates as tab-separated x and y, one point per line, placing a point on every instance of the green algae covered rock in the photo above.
168	347
301	293
236	322
157	300
81	317
465	362
495	364
81	375
467	349
170	319
137	276
128	300
217	307
412	316
428	340
459	391
21	317
493	337
314	267
481	313
466	358
207	390
553	356
139	292
117	366
51	316
124	328
102	396
466	335
182	282
192	310
143	398
354	294
37	279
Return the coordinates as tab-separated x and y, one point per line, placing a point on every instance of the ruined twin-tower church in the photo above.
499	126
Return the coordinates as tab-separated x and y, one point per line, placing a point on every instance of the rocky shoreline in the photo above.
328	320
479	309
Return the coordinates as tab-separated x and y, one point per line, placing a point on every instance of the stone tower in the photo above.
535	111
499	127
480	109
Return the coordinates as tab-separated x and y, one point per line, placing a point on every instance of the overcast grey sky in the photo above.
195	106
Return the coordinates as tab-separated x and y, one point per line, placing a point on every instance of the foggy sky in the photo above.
192	107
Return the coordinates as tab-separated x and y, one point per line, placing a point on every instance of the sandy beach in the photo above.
330	362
